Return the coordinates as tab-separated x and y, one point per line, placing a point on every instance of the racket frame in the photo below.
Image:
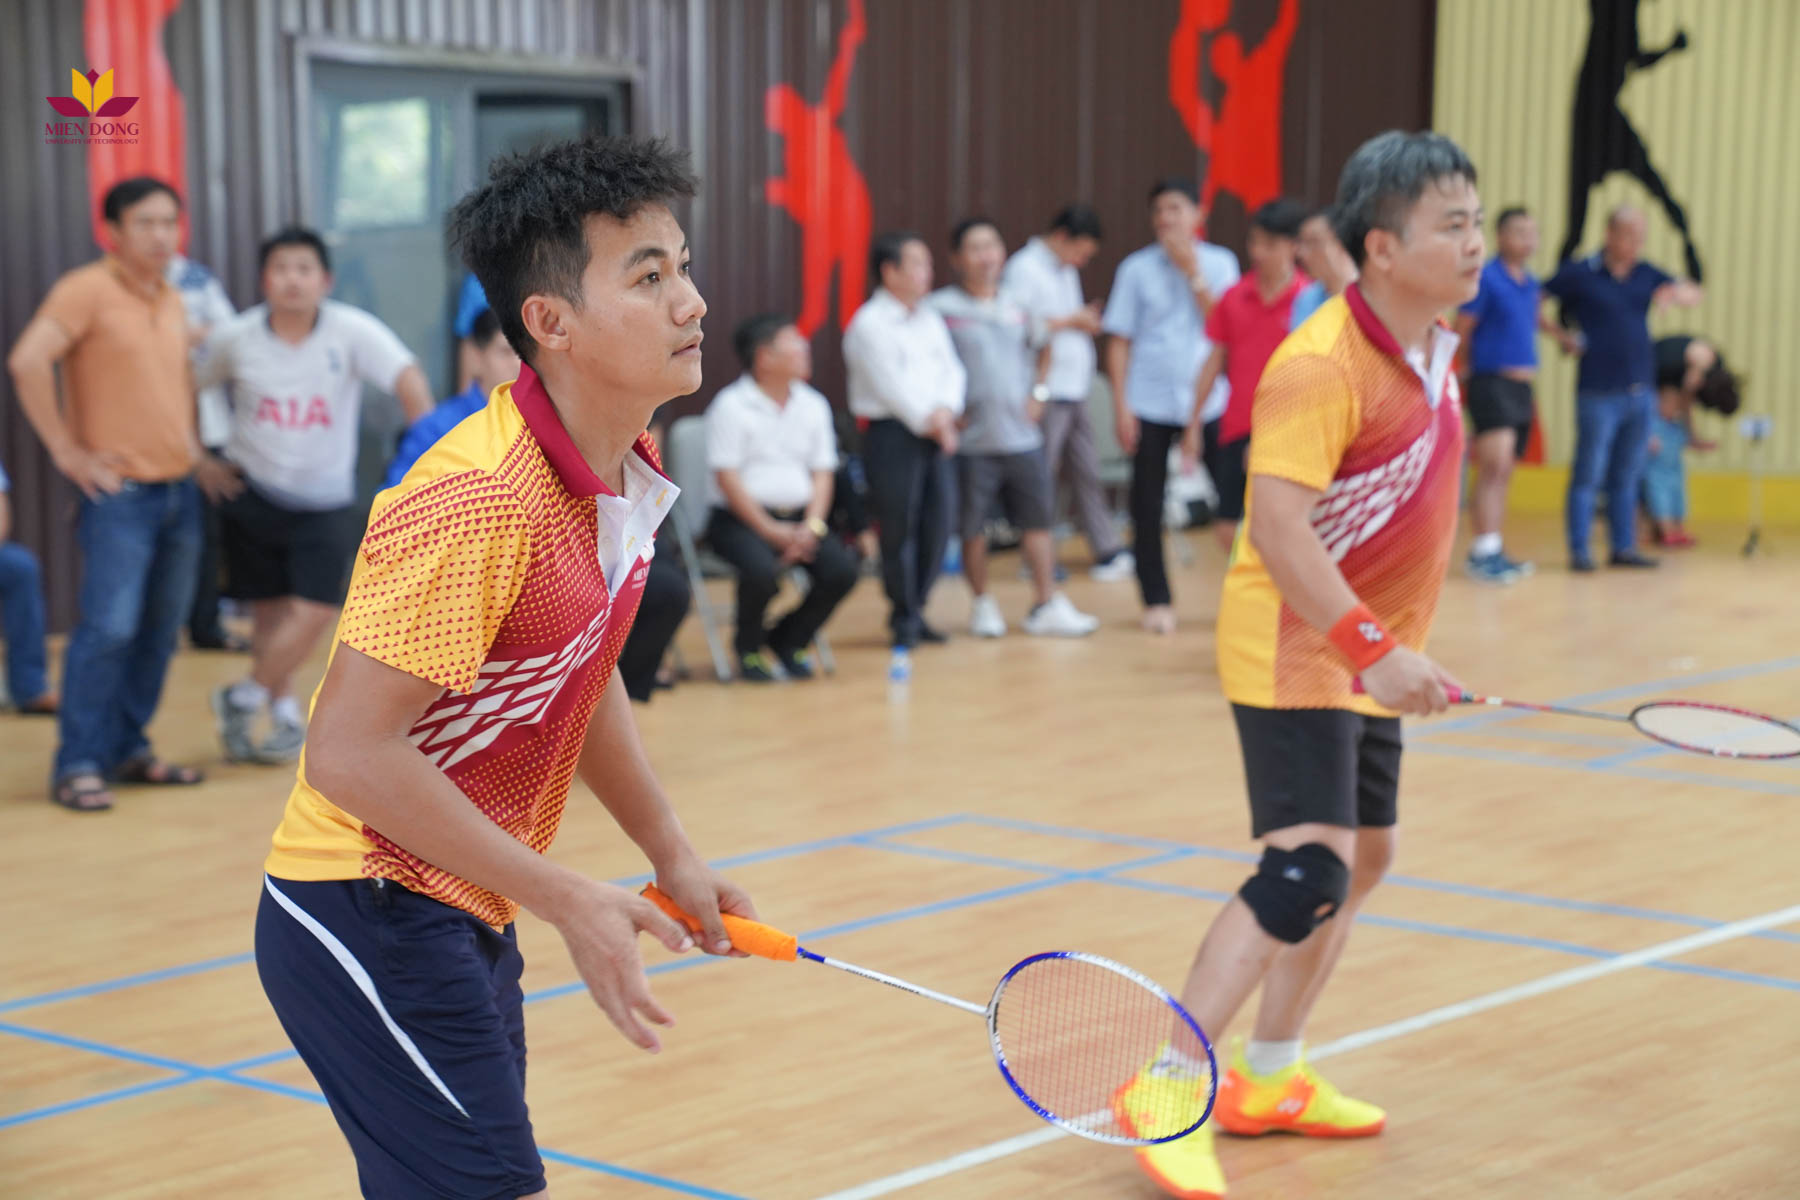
1631	718
1070	1123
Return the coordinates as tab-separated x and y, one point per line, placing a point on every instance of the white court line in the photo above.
1356	1041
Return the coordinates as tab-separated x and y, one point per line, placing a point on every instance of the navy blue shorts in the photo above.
410	1016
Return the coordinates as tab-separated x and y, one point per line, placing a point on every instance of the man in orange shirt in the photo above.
1355	463
124	434
472	682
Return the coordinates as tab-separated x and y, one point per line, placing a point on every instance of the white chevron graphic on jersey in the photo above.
1355	508
505	694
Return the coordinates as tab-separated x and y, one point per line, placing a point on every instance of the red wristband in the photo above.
1361	638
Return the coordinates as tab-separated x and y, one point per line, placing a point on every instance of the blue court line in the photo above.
1601	766
613	1169
1476	891
125	981
1627	692
98	1098
234	960
1521	941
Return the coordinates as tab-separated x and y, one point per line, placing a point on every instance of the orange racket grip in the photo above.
752	937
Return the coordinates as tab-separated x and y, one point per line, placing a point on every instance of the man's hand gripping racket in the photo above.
1089	1045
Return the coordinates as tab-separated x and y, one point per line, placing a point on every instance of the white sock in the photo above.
1485	544
286	711
1173	1061
247	693
1269	1058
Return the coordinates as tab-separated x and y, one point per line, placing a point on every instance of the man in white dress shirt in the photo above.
1045	277
1156	316
908	383
773	458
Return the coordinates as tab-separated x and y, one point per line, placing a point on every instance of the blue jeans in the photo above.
1665	478
140	551
22	623
1612	436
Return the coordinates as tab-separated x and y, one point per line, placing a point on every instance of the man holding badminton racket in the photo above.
1355	460
470	684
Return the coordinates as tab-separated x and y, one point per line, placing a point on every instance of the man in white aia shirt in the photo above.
908	383
286	483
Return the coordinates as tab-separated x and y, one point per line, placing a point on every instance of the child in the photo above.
1689	370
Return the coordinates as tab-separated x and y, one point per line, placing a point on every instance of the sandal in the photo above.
153	772
76	795
43	706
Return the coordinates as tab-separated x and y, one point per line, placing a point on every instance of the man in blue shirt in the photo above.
1500	327
22	618
1609	294
493	362
1156	316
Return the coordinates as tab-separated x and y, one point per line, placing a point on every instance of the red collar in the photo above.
552	436
1371	324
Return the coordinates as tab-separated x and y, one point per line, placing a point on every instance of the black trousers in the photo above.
203	618
1149	481
661	610
912	490
833	571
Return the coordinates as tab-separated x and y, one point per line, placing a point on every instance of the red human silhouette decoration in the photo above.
127	36
822	187
1243	138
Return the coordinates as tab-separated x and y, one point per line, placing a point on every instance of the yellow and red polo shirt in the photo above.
1342	411
504	571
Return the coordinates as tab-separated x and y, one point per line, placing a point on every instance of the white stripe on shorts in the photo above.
366	985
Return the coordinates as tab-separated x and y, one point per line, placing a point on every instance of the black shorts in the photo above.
1229	466
1324	765
410	1016
271	551
1022	480
1496	402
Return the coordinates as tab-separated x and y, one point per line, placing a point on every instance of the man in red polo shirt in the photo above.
1245	326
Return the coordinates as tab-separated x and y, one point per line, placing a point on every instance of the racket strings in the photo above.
1099	1052
1725	732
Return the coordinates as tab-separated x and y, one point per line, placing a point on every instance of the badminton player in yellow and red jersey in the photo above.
471	683
1355	468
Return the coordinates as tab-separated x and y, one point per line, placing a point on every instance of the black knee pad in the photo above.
1295	891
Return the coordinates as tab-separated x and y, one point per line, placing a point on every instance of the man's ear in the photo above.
547	320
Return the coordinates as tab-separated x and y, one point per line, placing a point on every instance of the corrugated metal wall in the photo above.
1007	107
1720	119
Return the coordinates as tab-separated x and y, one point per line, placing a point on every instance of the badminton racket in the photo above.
1088	1044
1714	729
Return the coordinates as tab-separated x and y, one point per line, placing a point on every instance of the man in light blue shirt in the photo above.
1156	316
494	362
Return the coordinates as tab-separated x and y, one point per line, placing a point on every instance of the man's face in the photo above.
979	258
1316	243
294	280
636	334
1625	237
1437	255
1172	214
496	363
1271	255
910	278
788	354
1077	251
146	235
1518	238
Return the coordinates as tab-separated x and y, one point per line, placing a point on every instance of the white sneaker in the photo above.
1117	569
986	620
1057	617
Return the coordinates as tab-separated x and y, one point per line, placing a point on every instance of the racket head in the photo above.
1717	730
1071	1031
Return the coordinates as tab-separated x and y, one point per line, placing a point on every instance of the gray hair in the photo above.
1385	178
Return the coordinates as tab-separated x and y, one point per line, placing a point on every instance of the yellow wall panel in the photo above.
1721	119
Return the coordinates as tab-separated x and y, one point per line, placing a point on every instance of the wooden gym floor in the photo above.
1583	980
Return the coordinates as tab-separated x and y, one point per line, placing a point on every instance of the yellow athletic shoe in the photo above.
1294	1100
1161	1100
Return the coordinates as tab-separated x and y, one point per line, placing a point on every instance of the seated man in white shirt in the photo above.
773	457
908	383
286	485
